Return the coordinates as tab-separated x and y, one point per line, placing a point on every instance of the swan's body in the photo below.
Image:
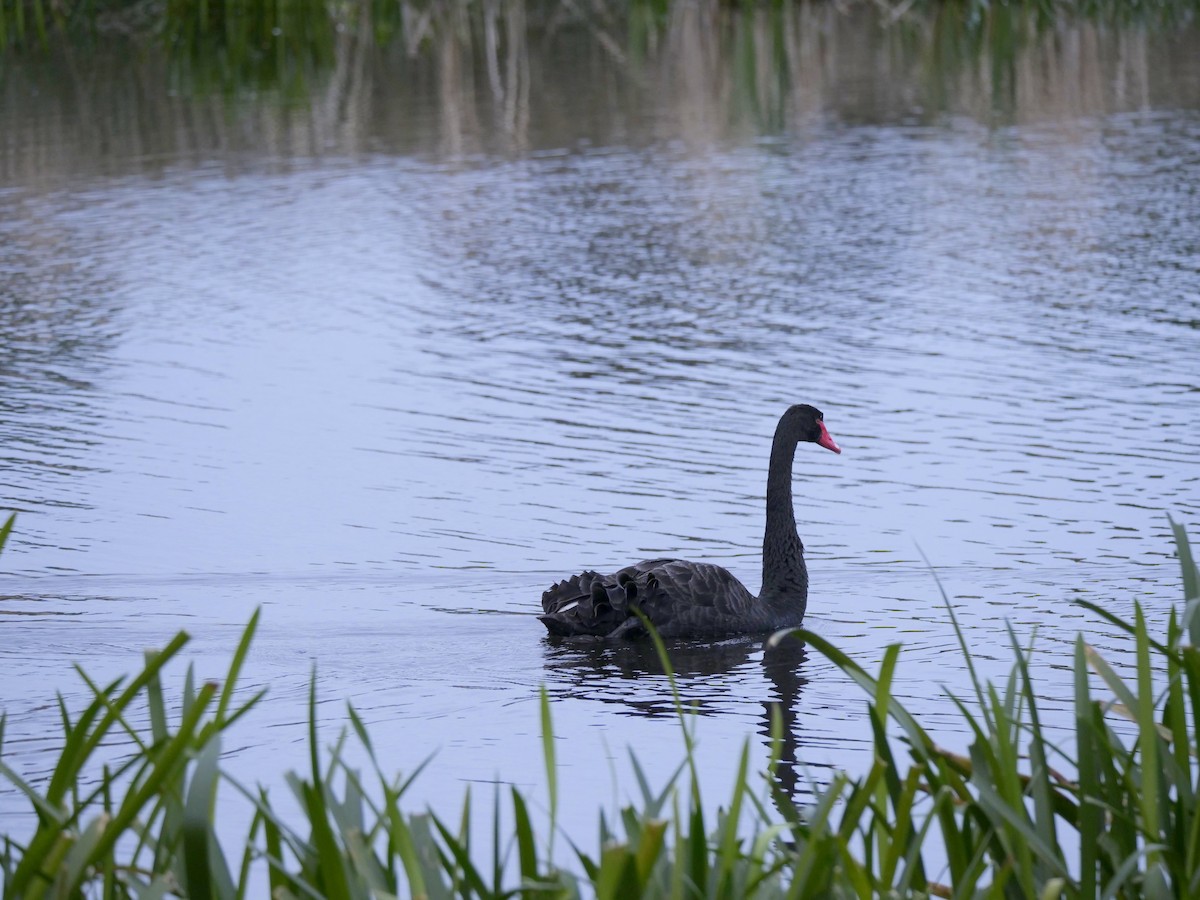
687	599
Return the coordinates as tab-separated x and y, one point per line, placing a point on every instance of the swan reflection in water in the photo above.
714	678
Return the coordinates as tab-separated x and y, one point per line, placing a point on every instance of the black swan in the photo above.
687	599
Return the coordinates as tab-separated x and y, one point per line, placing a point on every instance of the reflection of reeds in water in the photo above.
219	46
1015	64
499	76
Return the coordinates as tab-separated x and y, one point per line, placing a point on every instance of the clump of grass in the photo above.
1122	821
1003	813
145	822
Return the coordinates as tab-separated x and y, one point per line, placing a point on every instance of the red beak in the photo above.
826	441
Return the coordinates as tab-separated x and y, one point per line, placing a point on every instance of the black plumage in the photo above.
687	599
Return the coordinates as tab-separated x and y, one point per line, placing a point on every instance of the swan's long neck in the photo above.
785	577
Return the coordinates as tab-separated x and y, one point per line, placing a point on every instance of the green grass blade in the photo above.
1003	811
1183	547
1114	681
82	855
1087	749
235	669
360	729
551	764
526	846
976	683
649	848
921	741
404	844
618	874
6	530
695	850
462	859
157	704
1113	619
46	811
1190	572
334	881
197	818
1038	784
1144	710
727	852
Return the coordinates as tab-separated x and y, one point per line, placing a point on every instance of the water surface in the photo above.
387	358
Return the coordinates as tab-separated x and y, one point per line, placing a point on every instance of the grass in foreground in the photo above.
1121	821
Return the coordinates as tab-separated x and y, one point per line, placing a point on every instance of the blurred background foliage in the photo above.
275	42
310	77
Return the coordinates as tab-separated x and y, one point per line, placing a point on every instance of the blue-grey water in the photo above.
388	359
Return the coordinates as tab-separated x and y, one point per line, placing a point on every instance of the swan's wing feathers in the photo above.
696	598
678	596
600	605
587	603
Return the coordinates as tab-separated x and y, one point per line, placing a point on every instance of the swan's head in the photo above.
809	423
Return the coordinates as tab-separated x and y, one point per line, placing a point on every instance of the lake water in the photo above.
388	354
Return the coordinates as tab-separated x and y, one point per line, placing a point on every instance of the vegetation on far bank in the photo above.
270	26
139	67
1111	813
